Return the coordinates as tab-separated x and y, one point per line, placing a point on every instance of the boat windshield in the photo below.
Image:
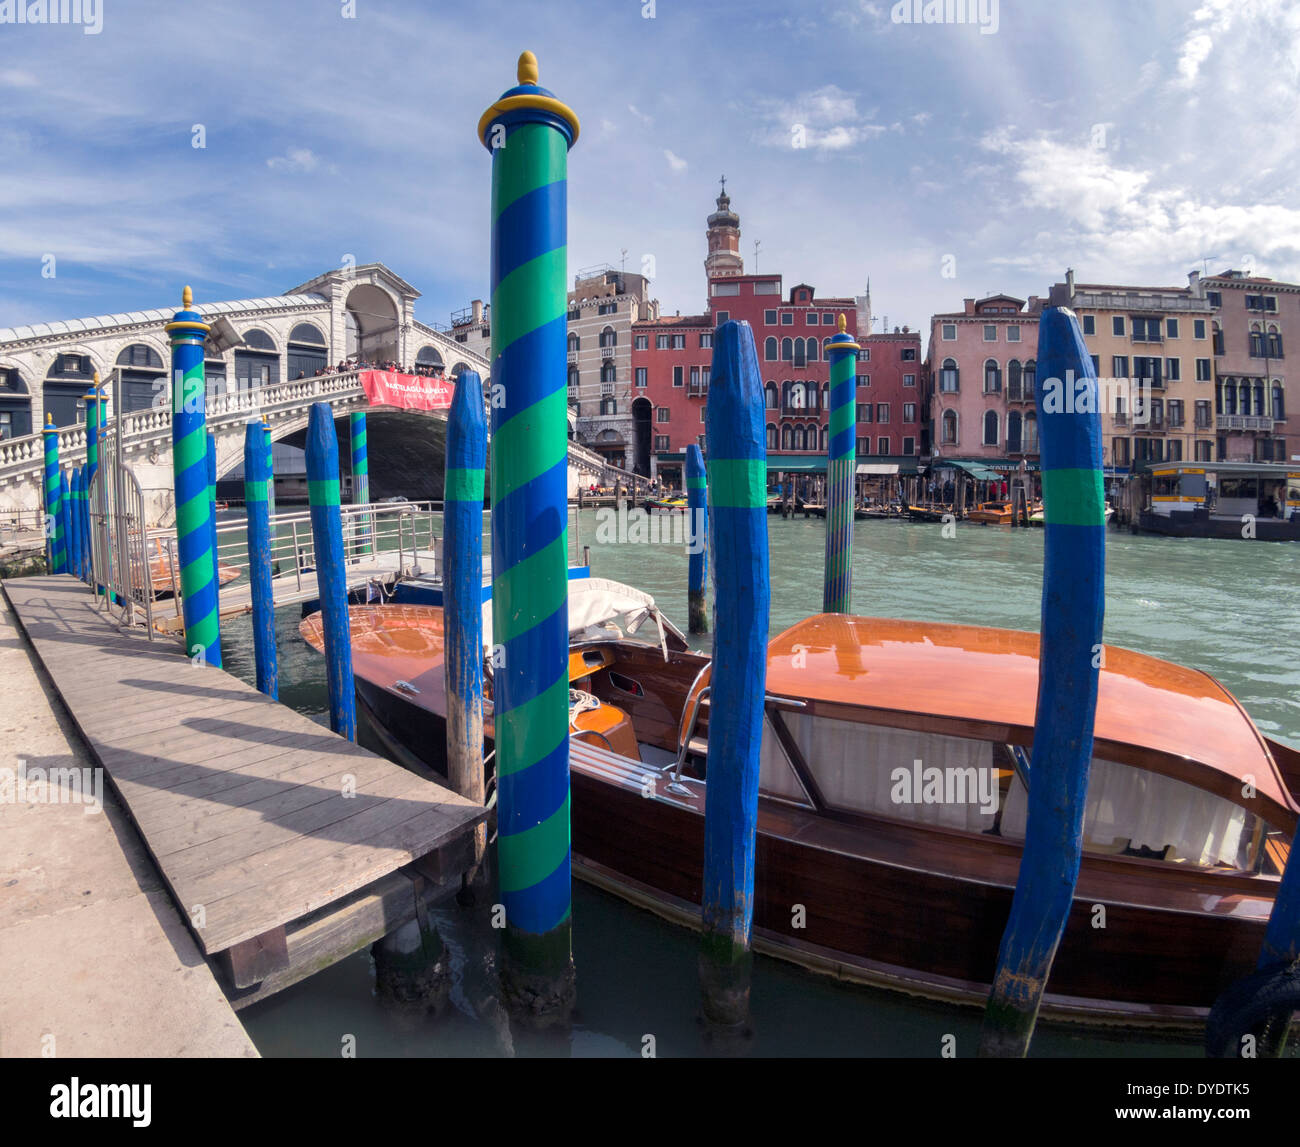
974	786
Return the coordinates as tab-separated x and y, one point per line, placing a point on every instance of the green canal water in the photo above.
1226	607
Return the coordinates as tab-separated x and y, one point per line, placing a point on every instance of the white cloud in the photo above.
676	162
648	120
296	159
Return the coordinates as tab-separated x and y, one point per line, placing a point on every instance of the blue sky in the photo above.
1128	140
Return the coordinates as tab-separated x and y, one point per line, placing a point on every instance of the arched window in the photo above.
1279	405
949	428
771	436
608	373
608	337
1031	432
990	428
769	349
1013	380
140	356
785	437
1259	400
573	378
787	350
1229	397
429	358
949	377
574	342
1013	430
459	369
799	357
258	339
800	442
825	437
308	334
1274	342
812	350
1029	378
770	396
992	376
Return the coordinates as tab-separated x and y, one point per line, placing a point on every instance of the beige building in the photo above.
603	305
1153	350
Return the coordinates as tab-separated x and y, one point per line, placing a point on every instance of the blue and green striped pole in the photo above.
65	521
72	531
190	470
83	509
270	489
331	575
92	458
529	133
56	548
1074	569
738	540
360	476
212	505
697	539
841	466
259	559
462	579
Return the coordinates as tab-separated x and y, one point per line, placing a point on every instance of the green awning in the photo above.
976	470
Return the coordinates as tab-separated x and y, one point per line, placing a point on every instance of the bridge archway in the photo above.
372	324
641	432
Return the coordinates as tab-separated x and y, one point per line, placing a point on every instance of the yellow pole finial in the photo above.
49	421
96	382
843	324
187	298
528	73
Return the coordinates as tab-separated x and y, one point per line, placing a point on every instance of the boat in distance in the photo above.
895	767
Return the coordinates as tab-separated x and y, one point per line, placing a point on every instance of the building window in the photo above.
1013	334
1218	340
812	318
864	380
865	411
704	410
909	380
864	446
1117	325
864	355
948	332
787	350
990	333
828	319
721	317
769	349
1029	377
679	342
771	436
909	354
573	378
677	375
1096	364
695	378
608	406
663	414
661	342
1171	328
1274	343
607	309
1146	330
787	436
909	445
1014	377
608	372
706	340
1198	328
1279	406
1031	433
1202	414
909	412
769	318
769	396
948	430
992	377
799	358
1119	451
1175	412
787	318
949	377
1119	366
1203	451
661	442
608	338
1174	369
1089	324
642	342
1014	445
1214	298
1202	370
812	350
641	377
990	428
882	412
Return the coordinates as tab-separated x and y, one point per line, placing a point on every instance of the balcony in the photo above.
1243	422
697	390
573	356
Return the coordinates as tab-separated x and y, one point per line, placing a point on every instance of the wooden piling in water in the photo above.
257	509
331	580
697	538
190	473
462	582
841	466
738	508
529	133
1070	656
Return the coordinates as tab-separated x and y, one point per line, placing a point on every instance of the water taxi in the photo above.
1220	500
895	767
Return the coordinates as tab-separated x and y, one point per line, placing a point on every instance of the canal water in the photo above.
1228	608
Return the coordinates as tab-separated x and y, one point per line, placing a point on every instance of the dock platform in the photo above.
261	822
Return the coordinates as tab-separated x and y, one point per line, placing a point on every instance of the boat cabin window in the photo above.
973	786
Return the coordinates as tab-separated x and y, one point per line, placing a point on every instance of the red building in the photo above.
671	358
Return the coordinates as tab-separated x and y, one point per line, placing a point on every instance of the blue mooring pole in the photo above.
462	579
256	480
841	471
212	512
1069	668
55	552
697	538
74	525
65	523
738	539
331	578
83	514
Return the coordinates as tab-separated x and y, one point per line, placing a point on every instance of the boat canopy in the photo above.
595	602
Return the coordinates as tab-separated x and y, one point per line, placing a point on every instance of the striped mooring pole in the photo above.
331	573
270	476
697	540
462	602
1069	668
65	522
71	510
212	503
529	133
190	476
361	475
92	458
841	466
56	547
259	559
87	542
737	441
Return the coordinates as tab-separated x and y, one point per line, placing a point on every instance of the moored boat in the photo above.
991	514
893	796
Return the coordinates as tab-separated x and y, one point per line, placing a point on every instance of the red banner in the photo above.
407	391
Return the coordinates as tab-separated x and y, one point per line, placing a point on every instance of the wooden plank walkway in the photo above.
254	814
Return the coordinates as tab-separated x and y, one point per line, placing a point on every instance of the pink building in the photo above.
980	371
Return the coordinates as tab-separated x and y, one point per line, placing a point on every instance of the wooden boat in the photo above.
160	565
929	512
878	734
678	503
991	514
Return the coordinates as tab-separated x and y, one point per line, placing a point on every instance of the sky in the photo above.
939	161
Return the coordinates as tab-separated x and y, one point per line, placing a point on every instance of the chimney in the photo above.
1069	285
1194	284
476	308
970	306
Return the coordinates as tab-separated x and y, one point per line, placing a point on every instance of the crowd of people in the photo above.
422	370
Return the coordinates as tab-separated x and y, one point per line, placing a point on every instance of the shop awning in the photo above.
976	470
877	468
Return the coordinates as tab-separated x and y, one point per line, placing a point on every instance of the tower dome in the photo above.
724	239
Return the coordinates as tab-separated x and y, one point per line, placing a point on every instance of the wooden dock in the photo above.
284	846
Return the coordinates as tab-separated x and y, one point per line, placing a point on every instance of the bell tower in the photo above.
724	239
